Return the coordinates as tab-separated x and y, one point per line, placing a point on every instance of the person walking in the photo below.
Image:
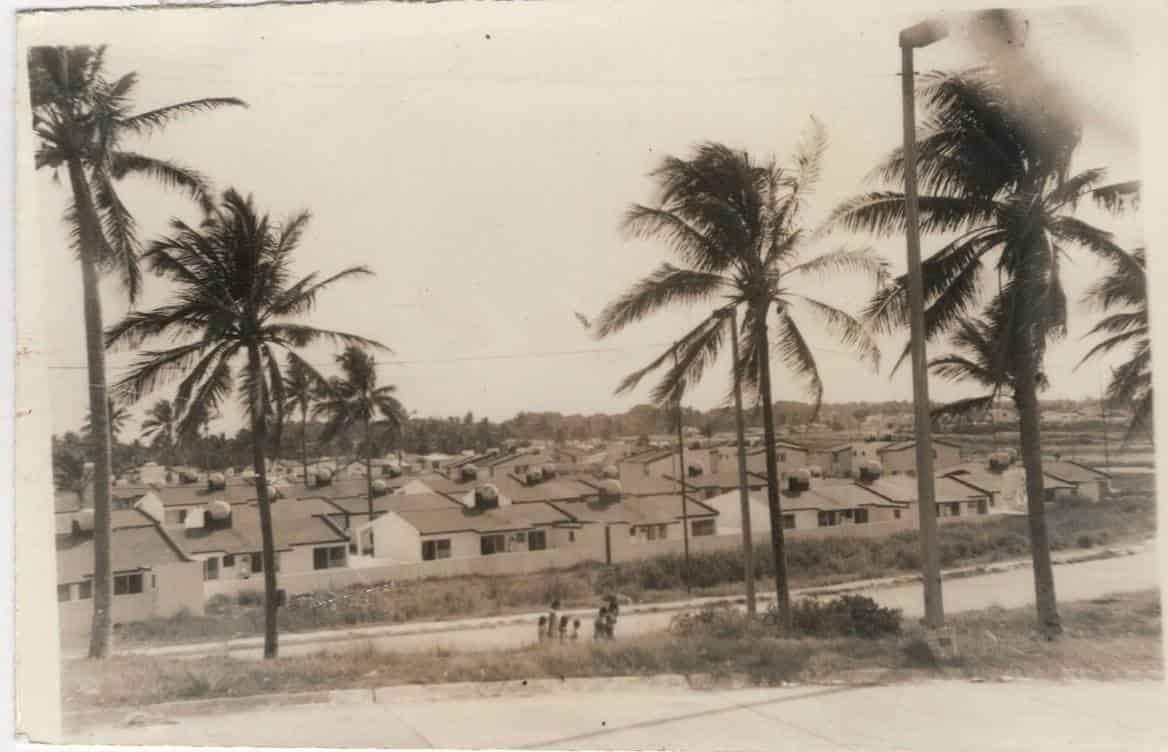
563	627
601	622
542	628
553	619
575	629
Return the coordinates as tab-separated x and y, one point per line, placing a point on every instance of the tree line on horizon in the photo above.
998	186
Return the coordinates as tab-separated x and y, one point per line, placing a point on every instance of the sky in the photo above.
479	156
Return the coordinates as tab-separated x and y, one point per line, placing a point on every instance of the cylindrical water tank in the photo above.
611	487
610	471
323	476
802	475
380	487
84	520
216	480
549	470
219	510
816	471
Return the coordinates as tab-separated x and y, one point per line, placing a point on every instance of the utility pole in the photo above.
682	474
1106	445
921	35
743	491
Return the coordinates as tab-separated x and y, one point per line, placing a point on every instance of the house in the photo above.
581	455
900	456
788	455
621	519
824	503
1087	481
639	485
650	463
709	485
433	526
953	499
153	576
834	461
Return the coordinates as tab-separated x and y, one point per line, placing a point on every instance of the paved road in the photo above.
949	715
1007	589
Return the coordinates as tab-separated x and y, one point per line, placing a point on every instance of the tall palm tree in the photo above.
81	119
234	298
995	177
160	427
354	400
301	391
979	357
1125	288
732	222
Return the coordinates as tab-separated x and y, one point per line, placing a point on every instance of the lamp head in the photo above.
923	34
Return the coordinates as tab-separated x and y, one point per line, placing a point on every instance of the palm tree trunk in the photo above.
101	633
304	441
782	590
1026	399
744	492
368	471
259	432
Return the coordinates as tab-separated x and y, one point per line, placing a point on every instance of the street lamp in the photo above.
920	35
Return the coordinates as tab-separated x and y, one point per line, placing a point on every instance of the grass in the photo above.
1106	638
811	564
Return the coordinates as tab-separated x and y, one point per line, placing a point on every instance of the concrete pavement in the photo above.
950	715
1010	586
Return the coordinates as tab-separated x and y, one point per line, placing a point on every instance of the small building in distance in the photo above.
901	456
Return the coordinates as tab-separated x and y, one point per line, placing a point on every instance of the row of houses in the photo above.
176	546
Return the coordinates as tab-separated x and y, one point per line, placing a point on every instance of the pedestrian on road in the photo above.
563	627
575	629
610	623
599	625
542	628
553	618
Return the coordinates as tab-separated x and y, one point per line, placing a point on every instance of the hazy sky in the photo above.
479	156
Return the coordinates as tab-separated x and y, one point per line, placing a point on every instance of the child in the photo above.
542	628
553	618
563	627
598	626
575	629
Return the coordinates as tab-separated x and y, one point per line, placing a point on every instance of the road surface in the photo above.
949	715
1008	589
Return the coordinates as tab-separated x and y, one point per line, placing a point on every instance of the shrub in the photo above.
846	616
250	598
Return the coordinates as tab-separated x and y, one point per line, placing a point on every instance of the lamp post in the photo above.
921	35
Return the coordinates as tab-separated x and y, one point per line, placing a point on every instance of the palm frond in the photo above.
152	120
166	173
796	355
667	285
849	331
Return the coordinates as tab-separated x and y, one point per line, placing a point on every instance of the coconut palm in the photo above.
979	358
159	426
732	222
995	178
302	388
354	400
116	417
234	298
81	119
1125	288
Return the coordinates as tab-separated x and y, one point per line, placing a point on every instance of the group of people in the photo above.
554	625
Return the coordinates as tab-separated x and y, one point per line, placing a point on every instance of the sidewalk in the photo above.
430	628
659	714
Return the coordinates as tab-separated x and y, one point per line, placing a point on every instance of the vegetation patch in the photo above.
1106	638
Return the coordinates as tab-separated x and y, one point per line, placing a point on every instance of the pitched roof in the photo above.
903	488
641	486
725	479
294	523
831	496
649	455
1073	472
635	510
131	548
897	446
392	503
455	518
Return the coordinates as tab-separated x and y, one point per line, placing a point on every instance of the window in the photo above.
436	549
827	519
491	544
64	593
182	515
982	507
896	514
956	509
782	457
328	557
571	536
537	540
788	522
257	562
229	560
703	527
632	530
128	584
211	569
85	590
120	504
860	517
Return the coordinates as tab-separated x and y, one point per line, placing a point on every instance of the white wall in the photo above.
394	538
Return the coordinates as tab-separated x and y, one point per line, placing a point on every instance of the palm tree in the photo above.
980	356
354	400
301	391
995	175
732	222
116	417
159	427
81	119
234	298
1125	288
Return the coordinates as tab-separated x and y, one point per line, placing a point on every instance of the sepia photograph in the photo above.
585	375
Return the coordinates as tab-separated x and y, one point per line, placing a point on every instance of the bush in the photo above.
250	598
846	616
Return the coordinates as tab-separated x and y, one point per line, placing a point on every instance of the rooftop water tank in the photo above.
380	487
219	510
610	471
216	480
323	476
84	520
610	489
